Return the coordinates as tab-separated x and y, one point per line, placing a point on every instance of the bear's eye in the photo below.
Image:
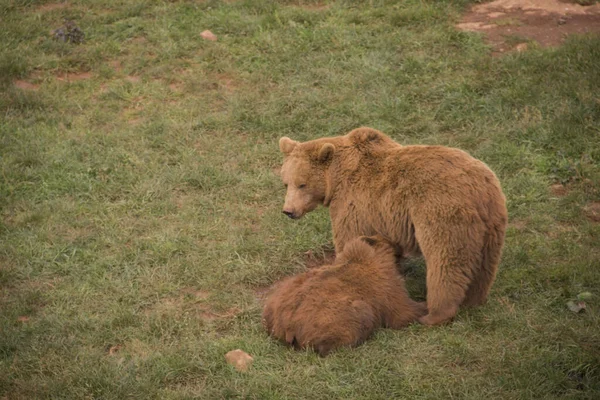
302	186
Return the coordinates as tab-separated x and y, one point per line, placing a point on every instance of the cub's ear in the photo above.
326	152
287	145
370	240
378	239
365	134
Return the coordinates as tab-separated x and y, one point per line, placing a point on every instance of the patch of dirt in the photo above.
313	6
135	121
131	112
196	293
518	224
559	190
138	40
226	82
112	350
103	88
217	81
52	6
592	211
72	234
24	85
559	229
116	65
191	302
509	24
133	78
72	77
176	86
182	199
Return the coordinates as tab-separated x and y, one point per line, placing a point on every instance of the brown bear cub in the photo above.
342	304
431	200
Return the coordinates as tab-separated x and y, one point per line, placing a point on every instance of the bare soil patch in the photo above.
138	40
52	6
318	6
191	302
116	65
559	190
509	24
518	224
73	76
559	229
24	85
226	81
133	78
592	211
132	112
176	86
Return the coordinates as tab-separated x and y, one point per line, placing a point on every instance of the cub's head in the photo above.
303	174
363	249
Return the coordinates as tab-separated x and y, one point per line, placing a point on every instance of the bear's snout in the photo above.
290	214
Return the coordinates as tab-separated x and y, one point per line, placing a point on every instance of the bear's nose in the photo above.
289	214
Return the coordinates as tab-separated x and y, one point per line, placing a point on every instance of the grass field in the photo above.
141	209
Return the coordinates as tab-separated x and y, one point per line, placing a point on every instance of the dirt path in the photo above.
512	24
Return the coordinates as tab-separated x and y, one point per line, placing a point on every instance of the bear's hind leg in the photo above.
479	288
448	279
453	255
485	276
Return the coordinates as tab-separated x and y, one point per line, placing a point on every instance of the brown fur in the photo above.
342	304
431	200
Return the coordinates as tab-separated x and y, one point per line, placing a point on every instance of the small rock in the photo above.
576	306
562	20
70	32
208	35
239	359
521	47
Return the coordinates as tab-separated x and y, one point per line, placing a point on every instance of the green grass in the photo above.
140	208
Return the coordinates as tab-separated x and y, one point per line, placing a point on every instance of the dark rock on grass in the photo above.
70	32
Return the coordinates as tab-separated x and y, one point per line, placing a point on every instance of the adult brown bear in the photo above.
431	200
342	304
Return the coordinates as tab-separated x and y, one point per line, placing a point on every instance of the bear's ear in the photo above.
287	145
326	152
370	240
365	134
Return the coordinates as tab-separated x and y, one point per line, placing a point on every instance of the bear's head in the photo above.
303	174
